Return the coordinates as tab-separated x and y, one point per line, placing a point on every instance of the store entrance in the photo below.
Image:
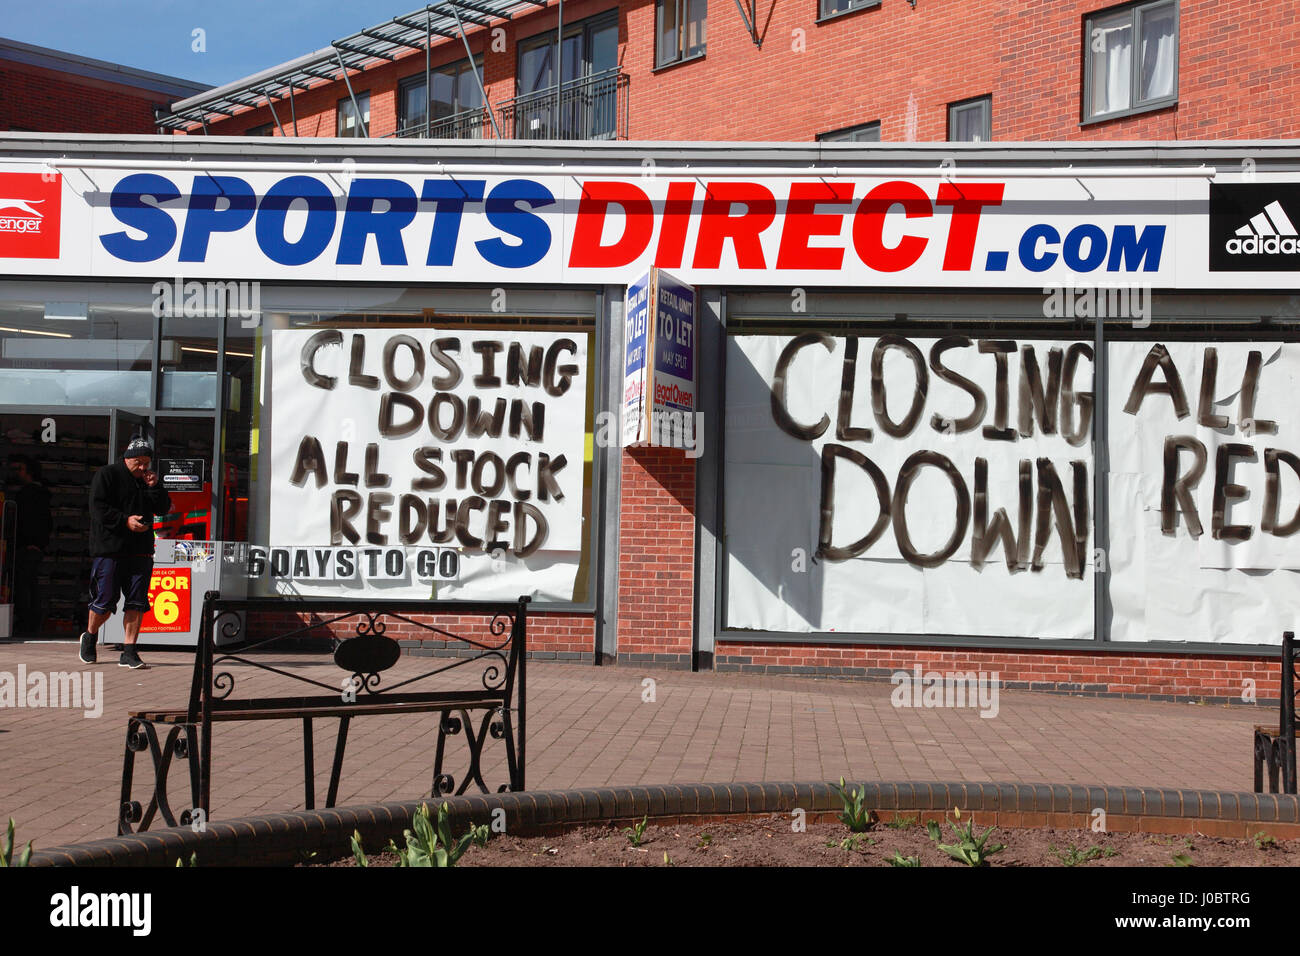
45	564
124	426
48	462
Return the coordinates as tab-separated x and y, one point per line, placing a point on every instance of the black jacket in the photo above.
115	495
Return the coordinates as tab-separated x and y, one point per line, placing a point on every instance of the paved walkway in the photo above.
60	771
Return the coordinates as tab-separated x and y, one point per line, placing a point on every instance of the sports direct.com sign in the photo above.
952	230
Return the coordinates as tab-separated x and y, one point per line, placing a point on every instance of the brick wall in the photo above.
45	101
1237	76
656	559
1163	676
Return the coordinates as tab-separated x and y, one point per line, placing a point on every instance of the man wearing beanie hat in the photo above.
124	499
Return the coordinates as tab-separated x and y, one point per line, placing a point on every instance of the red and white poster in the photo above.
29	215
169	602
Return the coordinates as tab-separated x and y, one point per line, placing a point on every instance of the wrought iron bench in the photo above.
1275	743
185	734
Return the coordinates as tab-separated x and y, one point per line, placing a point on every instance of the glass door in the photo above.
183	457
122	427
585	107
50	459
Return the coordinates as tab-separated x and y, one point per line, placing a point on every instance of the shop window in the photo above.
971	121
434	492
453	109
61	353
866	133
1132	60
833	8
187	374
348	127
239	436
681	28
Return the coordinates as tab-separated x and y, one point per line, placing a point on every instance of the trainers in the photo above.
131	659
87	652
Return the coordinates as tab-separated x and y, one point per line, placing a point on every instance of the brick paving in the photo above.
589	726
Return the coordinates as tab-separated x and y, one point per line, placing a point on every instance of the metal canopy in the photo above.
429	25
749	14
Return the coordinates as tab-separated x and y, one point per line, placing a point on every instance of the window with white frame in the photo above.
831	8
1132	59
971	121
865	133
347	114
681	29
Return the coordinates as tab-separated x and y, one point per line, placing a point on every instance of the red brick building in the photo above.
892	70
660	582
49	91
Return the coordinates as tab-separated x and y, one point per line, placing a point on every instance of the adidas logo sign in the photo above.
1268	233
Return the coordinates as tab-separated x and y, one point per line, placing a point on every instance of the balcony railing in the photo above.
593	107
467	124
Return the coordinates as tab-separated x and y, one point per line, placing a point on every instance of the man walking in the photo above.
124	499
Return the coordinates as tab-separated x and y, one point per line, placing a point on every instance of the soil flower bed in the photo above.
772	842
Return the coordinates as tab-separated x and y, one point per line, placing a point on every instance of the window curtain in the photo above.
1112	51
1159	55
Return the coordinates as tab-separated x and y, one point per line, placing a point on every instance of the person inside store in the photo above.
31	539
125	497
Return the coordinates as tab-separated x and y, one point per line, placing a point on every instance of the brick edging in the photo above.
285	837
883	675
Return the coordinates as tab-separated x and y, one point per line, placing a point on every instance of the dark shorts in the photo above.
128	575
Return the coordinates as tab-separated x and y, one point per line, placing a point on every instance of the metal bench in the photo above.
496	659
1275	743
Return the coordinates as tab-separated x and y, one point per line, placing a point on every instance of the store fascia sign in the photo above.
870	231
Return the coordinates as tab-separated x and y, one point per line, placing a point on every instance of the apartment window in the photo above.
453	108
347	113
831	8
266	129
971	121
865	133
587	104
681	28
1132	60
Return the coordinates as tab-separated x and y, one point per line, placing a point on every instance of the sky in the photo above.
239	37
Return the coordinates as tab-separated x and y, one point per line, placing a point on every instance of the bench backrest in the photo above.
491	659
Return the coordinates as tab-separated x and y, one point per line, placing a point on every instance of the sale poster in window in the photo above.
169	602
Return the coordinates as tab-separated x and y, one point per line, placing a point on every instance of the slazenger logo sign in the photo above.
1253	227
29	215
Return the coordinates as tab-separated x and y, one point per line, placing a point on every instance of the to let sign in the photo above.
659	381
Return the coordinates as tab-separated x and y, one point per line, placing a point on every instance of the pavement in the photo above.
60	769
